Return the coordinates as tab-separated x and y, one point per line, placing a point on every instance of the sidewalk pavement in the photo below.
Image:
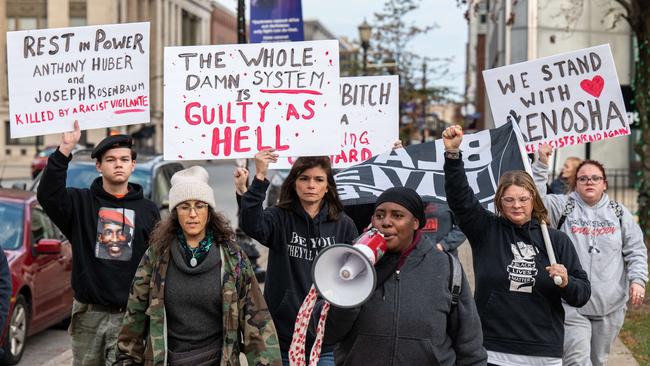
619	355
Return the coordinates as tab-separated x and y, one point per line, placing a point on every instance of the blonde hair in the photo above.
521	179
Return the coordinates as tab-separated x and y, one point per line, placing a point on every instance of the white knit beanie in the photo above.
191	184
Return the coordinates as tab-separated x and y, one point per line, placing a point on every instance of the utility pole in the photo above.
241	22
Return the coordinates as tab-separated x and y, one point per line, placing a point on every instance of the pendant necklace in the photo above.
193	261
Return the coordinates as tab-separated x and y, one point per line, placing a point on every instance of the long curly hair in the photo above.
288	193
165	232
521	179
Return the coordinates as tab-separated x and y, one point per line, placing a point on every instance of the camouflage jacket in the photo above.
247	323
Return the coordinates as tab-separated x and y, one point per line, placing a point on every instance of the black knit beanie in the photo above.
406	197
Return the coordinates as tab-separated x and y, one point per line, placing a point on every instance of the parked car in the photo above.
151	172
40	159
40	263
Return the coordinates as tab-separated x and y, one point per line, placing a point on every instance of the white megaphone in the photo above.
344	275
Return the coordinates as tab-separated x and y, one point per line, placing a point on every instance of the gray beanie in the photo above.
191	184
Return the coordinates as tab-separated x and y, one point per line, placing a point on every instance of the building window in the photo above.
190	30
31	141
26	15
78	13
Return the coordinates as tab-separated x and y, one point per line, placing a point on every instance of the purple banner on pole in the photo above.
276	21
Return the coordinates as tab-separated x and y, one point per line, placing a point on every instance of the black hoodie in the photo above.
294	240
519	305
97	277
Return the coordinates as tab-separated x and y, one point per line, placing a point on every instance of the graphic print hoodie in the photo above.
96	277
519	305
610	248
294	240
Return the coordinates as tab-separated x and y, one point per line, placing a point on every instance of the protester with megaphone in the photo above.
411	318
308	218
519	303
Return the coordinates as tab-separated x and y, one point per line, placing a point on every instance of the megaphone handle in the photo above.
557	280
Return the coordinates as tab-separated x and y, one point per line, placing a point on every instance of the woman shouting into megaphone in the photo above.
412	318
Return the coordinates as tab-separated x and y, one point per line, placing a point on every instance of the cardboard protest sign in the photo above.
566	99
369	120
230	101
98	75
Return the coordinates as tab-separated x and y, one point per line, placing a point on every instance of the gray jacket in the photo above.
613	255
409	319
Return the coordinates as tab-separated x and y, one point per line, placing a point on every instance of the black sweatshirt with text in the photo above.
519	305
294	240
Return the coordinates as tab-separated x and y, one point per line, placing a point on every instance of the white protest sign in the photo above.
566	99
230	101
98	75
369	120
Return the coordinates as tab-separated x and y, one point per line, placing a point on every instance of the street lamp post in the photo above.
365	31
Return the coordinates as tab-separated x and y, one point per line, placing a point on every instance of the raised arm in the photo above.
256	222
472	217
554	203
52	193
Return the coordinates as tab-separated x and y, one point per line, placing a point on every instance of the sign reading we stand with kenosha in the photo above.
98	75
231	101
566	99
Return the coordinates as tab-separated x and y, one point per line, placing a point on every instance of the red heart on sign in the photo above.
593	86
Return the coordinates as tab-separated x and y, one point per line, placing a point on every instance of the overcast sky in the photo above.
342	17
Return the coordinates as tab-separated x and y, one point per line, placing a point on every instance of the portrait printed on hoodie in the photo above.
114	234
522	269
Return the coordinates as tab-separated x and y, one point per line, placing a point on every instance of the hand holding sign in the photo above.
545	151
70	139
262	160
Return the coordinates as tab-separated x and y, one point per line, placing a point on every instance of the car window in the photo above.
163	182
83	175
41	226
11	225
143	178
47	152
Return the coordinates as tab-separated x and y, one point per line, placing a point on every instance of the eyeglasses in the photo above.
510	201
583	179
187	209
